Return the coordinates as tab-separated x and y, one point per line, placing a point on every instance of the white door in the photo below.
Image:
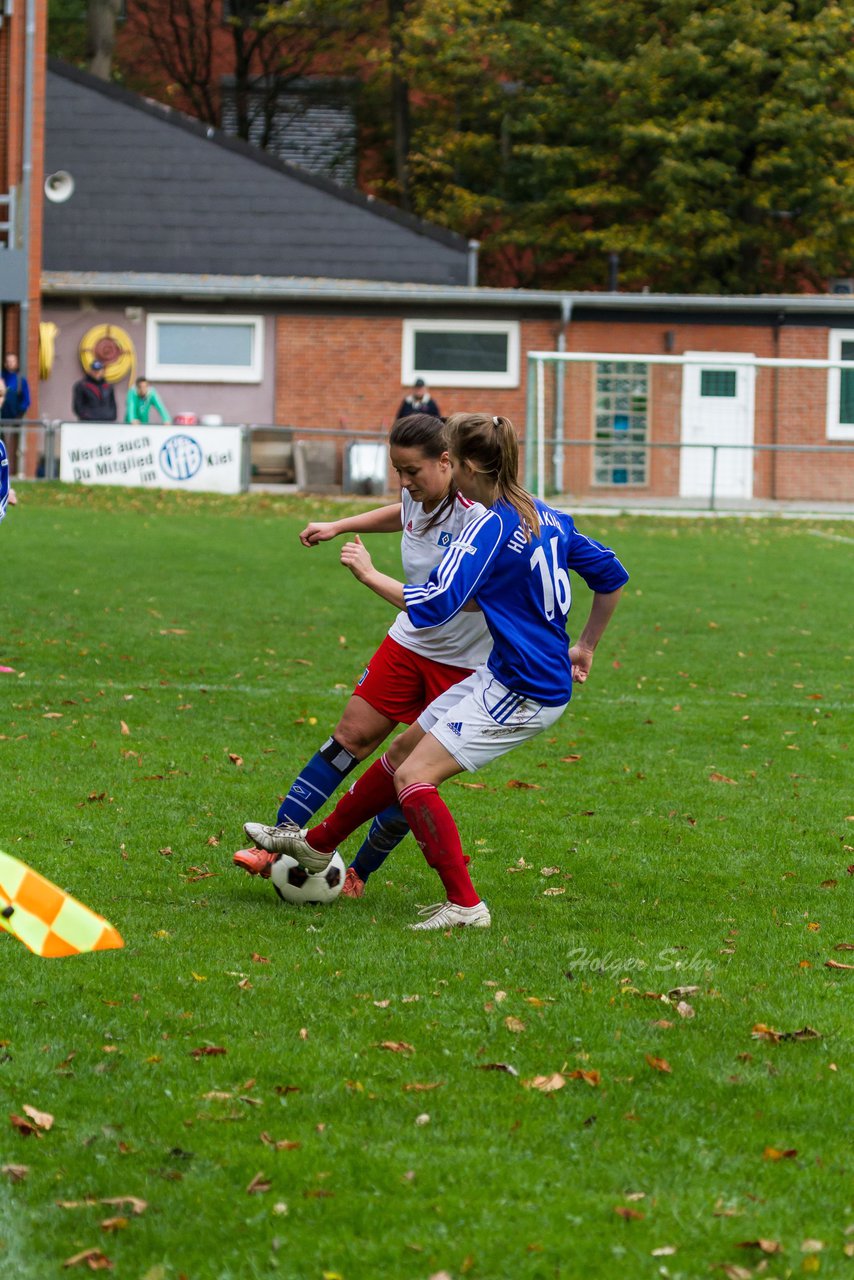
717	409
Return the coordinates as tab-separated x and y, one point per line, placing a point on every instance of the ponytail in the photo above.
490	444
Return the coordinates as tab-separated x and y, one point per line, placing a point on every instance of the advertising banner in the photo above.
206	459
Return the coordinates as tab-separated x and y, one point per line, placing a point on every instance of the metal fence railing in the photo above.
583	467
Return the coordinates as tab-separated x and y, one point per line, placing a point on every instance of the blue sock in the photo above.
323	774
387	831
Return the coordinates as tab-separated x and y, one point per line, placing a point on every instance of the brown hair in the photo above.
426	432
490	444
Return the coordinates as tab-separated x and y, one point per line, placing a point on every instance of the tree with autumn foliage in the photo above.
711	147
704	147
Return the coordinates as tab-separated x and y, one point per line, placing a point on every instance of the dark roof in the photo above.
155	191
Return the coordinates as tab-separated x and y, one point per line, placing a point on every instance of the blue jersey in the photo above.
524	591
4	480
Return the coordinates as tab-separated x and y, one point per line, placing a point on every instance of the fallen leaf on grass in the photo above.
207	1051
124	729
767	1246
589	1077
627	1213
812	1246
259	959
733	1271
516	785
836	964
235	759
666	1251
15	1172
775	1153
659	1064
258	1185
417	1087
133	1203
40	1118
95	1260
721	777
283	1144
114	1224
546	1084
516	1025
396	1046
24	1127
497	1066
762	1032
570	759
844	946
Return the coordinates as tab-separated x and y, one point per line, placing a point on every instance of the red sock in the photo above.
436	832
368	796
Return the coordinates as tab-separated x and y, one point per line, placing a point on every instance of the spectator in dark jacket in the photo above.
419	400
93	398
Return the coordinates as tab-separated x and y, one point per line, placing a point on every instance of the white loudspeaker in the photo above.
59	186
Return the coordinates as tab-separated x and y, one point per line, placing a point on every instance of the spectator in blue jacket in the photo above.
16	400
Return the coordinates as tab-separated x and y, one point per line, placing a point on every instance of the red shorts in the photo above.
399	684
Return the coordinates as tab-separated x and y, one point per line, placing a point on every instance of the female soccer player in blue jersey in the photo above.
412	666
513	561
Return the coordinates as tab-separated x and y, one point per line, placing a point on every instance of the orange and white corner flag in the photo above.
45	918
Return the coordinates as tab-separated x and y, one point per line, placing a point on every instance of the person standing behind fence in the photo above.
93	399
14	402
16	399
142	398
419	400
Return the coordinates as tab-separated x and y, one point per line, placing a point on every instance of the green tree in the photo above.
709	145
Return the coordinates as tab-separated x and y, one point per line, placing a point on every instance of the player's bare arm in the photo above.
356	558
581	653
380	520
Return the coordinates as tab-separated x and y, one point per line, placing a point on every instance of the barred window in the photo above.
622	423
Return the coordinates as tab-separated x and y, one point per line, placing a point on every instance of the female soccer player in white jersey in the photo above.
412	665
514	561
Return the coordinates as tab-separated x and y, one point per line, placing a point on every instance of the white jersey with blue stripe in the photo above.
4	480
523	588
465	640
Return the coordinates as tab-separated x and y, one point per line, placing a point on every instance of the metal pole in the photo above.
530	419
541	429
23	222
560	380
714	449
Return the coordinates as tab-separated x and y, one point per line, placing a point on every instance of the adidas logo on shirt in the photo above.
455	727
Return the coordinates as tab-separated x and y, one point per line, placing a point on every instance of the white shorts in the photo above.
480	719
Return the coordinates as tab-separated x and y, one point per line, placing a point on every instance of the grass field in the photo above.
696	801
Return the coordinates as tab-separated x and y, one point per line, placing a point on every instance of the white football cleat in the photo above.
447	915
287	837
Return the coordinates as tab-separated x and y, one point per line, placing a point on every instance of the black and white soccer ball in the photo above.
294	884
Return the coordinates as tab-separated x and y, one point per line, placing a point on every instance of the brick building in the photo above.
252	290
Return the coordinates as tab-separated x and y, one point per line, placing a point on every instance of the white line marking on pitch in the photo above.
833	537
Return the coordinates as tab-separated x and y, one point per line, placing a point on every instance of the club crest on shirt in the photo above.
444	539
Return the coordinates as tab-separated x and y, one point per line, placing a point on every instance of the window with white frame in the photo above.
840	387
202	348
621	423
461	353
